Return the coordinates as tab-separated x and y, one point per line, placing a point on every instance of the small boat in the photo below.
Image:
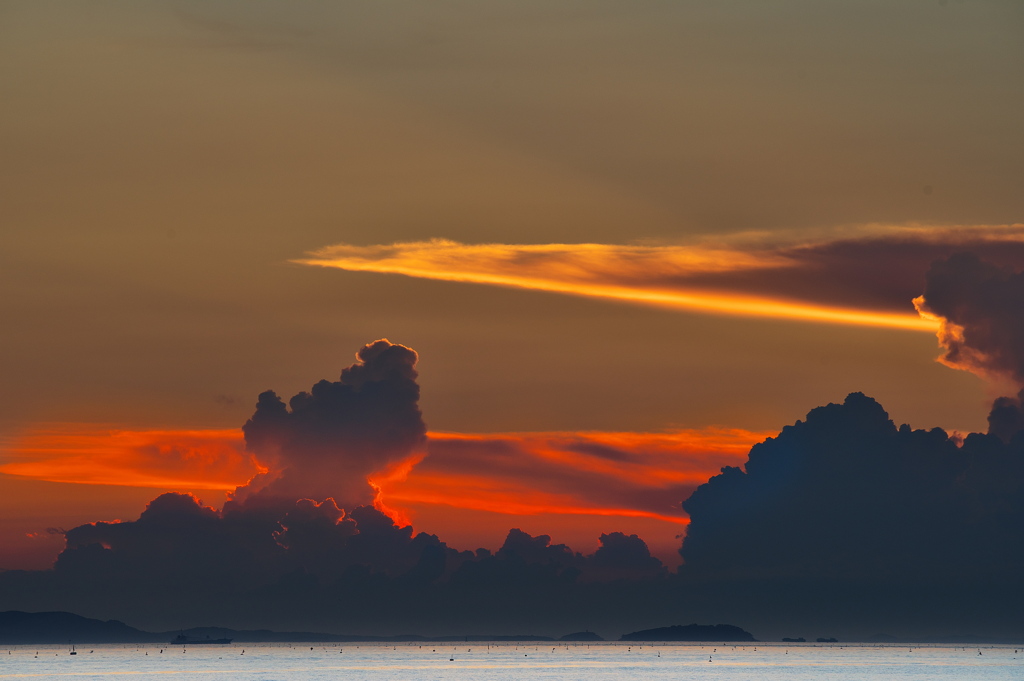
182	639
72	650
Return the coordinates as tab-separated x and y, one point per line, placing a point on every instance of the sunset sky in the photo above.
628	240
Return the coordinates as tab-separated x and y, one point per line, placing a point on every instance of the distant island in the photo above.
23	628
60	627
692	632
28	628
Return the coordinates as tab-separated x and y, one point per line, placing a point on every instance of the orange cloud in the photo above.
863	276
629	480
470	488
641	475
165	459
648	275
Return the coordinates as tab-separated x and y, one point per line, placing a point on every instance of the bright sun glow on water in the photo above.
555	662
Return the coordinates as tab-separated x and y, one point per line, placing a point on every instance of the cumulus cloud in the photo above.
176	541
183	563
325	442
305	536
846	523
625	556
181	555
847	496
1006	418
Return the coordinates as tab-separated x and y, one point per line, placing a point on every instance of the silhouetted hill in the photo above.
691	632
60	627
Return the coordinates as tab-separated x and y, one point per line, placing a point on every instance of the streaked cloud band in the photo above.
865	278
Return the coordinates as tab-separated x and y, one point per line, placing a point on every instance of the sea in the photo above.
507	661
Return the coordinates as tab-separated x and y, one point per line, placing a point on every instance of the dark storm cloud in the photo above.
182	563
178	541
1006	418
880	272
847	496
845	521
624	556
326	442
981	304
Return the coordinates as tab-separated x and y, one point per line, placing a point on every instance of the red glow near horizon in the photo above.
163	459
607	481
587	473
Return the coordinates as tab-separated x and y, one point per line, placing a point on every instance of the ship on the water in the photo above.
182	639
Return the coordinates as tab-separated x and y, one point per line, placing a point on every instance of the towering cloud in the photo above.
1007	417
326	442
304	538
848	496
847	521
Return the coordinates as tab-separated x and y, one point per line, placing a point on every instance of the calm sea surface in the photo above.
481	662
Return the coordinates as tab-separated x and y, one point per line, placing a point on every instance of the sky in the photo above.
625	241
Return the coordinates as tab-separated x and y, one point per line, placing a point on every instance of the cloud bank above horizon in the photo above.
591	478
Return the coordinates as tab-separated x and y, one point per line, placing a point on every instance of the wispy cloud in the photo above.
626	474
862	277
163	459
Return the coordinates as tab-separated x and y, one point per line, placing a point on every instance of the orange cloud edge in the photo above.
600	474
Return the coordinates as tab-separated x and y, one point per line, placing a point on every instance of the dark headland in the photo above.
60	627
22	628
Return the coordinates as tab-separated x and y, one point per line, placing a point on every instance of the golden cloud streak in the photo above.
630	274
